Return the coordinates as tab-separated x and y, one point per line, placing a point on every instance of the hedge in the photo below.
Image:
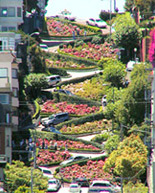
81	120
50	136
59	97
74	59
61	72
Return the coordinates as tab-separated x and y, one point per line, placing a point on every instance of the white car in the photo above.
96	22
105	184
74	159
44	47
46	172
75	188
53	80
66	15
53	185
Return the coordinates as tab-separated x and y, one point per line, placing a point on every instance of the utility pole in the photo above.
31	180
121	184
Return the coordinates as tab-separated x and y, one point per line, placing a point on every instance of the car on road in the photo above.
63	91
55	119
96	22
46	172
74	159
51	129
53	80
99	190
74	188
44	47
53	185
82	181
100	184
66	15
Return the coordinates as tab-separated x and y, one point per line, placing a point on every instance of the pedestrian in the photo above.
73	35
43	144
85	33
66	147
55	145
62	181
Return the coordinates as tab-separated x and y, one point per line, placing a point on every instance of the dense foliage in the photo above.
18	175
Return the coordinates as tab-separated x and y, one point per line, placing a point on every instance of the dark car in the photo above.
67	92
51	129
83	182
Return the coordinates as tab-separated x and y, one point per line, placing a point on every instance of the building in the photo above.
11	14
9	101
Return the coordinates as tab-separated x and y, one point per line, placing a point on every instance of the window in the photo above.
14	73
19	12
4	28
15	92
3	72
7	118
11	28
3	11
7	11
4	98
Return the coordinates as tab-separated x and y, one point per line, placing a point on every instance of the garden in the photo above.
86	128
79	110
59	28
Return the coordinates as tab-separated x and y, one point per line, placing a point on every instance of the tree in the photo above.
112	143
134	188
33	84
18	175
129	160
30	5
114	72
127	34
145	7
132	105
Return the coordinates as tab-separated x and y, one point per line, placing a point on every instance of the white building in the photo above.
11	14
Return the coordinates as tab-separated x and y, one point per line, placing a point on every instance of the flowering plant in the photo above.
91	51
88	127
47	157
77	145
92	170
60	28
81	109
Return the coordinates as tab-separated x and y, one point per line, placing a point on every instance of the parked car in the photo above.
51	129
83	182
74	159
66	15
75	188
53	80
46	172
53	185
100	184
96	22
56	119
67	92
99	190
44	47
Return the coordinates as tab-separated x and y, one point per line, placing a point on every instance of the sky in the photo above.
82	9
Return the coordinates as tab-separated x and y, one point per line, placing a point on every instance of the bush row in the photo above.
81	120
58	71
73	58
50	136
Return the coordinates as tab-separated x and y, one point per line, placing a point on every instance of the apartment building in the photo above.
11	14
9	88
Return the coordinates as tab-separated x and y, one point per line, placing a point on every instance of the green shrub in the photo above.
58	71
74	99
101	137
135	188
97	40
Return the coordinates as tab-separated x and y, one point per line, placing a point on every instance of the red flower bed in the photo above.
92	170
45	157
82	109
91	51
70	144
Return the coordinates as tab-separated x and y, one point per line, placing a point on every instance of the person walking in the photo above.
62	181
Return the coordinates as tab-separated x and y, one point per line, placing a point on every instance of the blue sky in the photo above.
82	9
